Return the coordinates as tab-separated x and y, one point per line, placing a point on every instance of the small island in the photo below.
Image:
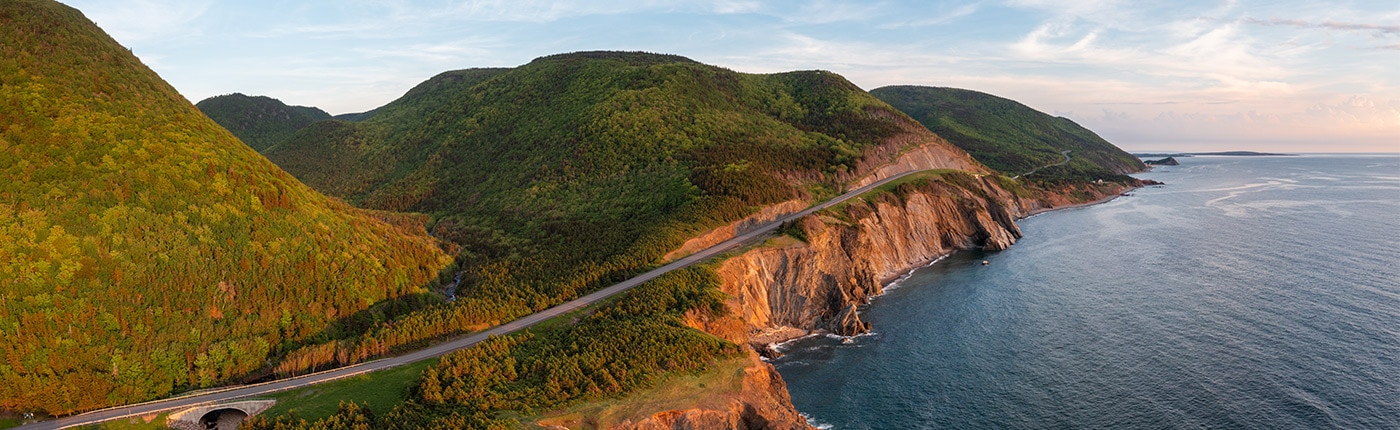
1169	161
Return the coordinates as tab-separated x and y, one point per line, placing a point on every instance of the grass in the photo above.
923	176
139	422
713	388
780	241
381	390
891	187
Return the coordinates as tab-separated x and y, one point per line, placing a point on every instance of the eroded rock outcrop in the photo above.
721	234
847	256
784	291
761	403
935	153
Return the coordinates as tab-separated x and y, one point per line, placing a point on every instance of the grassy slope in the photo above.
143	249
712	389
259	121
1008	136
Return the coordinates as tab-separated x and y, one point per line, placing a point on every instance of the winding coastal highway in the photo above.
237	392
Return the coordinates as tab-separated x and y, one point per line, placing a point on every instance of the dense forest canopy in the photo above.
259	121
577	170
143	248
1011	137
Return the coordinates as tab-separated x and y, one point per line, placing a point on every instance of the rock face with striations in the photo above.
817	284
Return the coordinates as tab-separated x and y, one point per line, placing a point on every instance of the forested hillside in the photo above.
631	342
259	121
577	170
1011	137
143	249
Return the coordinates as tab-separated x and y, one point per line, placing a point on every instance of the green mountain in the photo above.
576	170
425	94
145	250
1011	137
259	121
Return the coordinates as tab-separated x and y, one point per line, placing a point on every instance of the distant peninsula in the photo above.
1243	154
1222	153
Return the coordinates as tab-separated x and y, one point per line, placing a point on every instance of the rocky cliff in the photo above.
792	286
848	254
761	403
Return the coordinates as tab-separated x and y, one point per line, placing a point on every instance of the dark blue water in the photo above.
1250	292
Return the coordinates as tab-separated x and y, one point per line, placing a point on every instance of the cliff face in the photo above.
762	403
783	291
721	234
935	153
790	288
817	284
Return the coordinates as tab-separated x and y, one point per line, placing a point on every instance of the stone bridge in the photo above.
222	416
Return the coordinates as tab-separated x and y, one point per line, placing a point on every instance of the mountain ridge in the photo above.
1011	137
259	121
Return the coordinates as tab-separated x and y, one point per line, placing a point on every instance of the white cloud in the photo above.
447	53
1354	123
939	18
140	20
1194	70
541	11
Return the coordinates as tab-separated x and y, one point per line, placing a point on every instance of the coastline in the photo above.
1104	199
770	343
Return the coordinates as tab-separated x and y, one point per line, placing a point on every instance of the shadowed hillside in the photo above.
145	250
259	121
1010	137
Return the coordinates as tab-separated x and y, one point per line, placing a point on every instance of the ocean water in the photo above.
1249	292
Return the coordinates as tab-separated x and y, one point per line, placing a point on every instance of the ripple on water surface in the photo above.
1248	293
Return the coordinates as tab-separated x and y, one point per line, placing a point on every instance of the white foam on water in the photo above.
814	423
898	282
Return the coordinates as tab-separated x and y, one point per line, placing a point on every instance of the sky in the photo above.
1290	76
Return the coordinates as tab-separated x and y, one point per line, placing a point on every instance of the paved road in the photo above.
231	393
1061	163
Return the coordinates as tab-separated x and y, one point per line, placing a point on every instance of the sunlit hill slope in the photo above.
144	249
1011	137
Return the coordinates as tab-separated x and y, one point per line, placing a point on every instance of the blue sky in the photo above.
1313	76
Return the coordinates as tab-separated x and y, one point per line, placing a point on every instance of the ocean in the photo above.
1248	292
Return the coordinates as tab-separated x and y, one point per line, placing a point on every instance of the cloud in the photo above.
1201	69
543	11
1356	122
447	53
861	61
829	11
726	7
1327	25
141	20
943	17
